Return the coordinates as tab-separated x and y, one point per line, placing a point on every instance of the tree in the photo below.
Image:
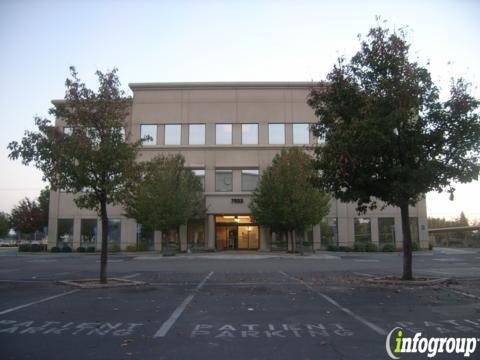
388	136
462	220
27	217
4	224
43	204
94	159
286	199
166	196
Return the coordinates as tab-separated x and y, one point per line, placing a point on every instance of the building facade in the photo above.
228	133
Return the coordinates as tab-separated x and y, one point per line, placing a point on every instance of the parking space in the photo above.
268	309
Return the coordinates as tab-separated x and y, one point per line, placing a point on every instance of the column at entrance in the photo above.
211	232
157	240
265	239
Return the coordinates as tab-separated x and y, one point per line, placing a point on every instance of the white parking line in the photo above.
131	276
367	323
37	302
465	294
2	271
179	310
225	283
364	274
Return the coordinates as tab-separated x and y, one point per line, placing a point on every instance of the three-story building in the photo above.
228	133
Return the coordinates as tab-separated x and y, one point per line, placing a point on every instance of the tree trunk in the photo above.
407	243
104	253
294	245
301	244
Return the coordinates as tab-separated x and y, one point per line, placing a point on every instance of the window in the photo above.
151	132
68	130
223	134
88	232
201	175
196	134
223	180
249	134
301	134
249	180
173	134
65	233
386	230
276	134
328	232
363	230
145	238
114	233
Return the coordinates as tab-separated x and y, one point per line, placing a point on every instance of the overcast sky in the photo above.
155	41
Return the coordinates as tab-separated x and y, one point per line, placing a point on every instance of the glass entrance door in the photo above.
236	233
248	237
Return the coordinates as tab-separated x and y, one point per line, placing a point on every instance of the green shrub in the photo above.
371	247
114	248
142	246
91	249
131	248
390	247
415	246
359	247
55	249
332	247
38	247
345	248
430	246
66	249
80	249
25	248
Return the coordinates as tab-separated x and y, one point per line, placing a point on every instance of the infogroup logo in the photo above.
397	343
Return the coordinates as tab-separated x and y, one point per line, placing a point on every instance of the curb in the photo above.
387	281
94	284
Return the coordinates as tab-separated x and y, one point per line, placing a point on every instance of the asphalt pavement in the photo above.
232	305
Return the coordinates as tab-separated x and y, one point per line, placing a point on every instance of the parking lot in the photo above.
236	306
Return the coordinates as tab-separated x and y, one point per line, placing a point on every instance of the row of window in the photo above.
363	230
224	179
196	237
224	134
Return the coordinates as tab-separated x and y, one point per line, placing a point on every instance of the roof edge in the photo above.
224	85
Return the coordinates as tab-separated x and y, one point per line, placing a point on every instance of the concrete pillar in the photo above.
343	229
76	232
184	134
157	240
317	237
211	232
182	232
398	232
264	238
423	232
53	219
374	230
288	133
129	233
160	134
237	134
99	234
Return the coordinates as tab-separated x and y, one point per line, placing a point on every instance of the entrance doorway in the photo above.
236	233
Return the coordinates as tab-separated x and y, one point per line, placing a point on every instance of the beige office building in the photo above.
228	133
